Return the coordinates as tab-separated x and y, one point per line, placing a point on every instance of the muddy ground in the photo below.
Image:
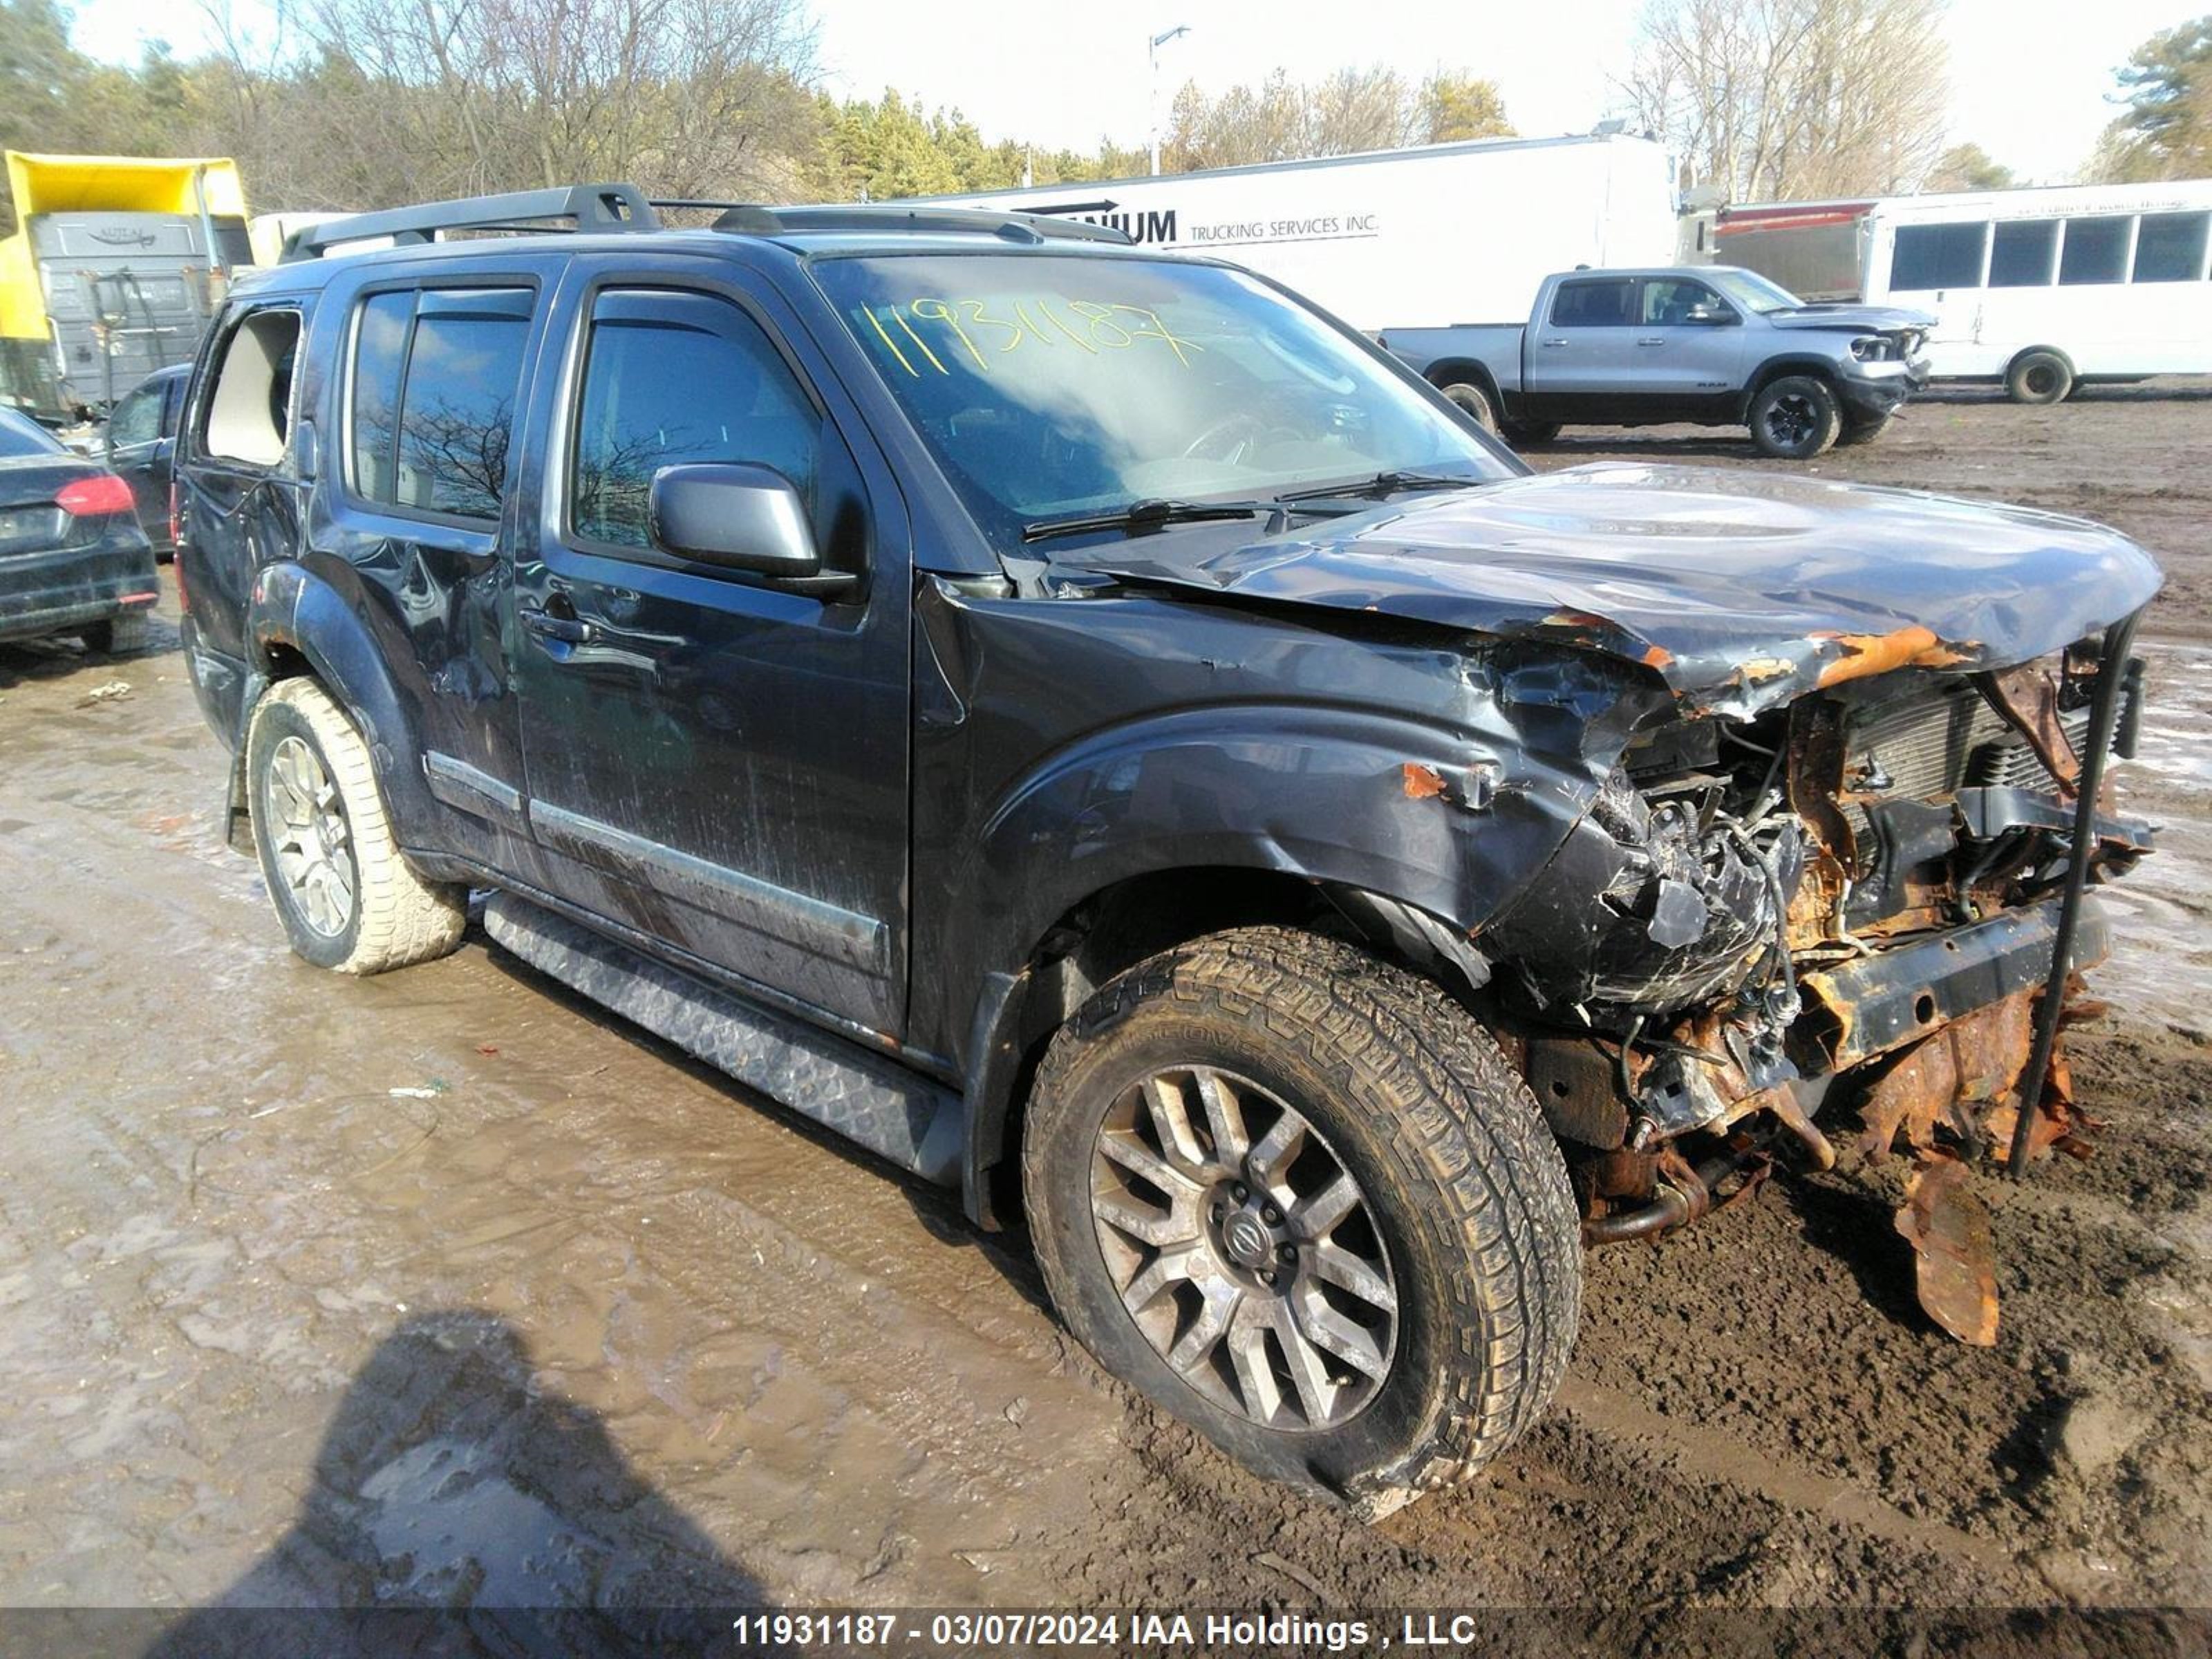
442	1287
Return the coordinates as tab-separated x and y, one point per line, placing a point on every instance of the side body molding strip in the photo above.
895	1113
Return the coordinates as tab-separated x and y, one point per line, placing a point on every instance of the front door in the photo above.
714	762
1688	351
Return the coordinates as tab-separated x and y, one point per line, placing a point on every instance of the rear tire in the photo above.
125	633
347	898
2040	377
1795	417
1452	1259
1529	432
1476	401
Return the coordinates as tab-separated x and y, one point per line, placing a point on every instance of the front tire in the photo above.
1795	417
1298	1198
1863	431
347	898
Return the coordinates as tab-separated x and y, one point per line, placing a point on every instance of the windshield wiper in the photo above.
1145	514
1381	484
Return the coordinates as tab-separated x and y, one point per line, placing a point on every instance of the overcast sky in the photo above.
2029	78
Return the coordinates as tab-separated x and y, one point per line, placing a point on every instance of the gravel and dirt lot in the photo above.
442	1288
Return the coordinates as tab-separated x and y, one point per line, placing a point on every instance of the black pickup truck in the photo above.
1117	744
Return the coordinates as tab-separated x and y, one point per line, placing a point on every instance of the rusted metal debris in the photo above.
1947	1100
2028	697
1948	1225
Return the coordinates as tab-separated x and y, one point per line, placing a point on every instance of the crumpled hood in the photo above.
1860	319
1740	589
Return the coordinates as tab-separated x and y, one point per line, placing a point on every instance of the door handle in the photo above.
1654	339
1551	342
569	631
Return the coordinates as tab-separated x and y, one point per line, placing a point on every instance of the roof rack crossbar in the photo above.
755	219
592	207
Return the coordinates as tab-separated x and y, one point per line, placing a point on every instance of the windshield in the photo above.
1053	388
21	436
1754	293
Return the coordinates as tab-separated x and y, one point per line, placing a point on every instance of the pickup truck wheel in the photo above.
1796	418
1863	431
1474	400
125	633
1529	432
2040	377
1299	1199
346	897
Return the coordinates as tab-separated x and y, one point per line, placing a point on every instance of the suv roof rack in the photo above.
591	207
603	207
750	219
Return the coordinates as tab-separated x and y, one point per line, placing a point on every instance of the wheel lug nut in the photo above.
1272	1215
1267	1276
1288	1254
1241	1192
1220	1210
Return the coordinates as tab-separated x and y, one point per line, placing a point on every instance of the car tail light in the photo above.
94	497
176	514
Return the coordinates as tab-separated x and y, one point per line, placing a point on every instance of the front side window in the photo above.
672	379
2170	247
1050	385
1929	256
137	419
431	403
1606	304
1671	302
2096	251
2023	254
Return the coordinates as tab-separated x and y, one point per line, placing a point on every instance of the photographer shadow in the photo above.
458	1509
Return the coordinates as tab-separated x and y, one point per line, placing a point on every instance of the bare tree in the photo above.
1353	110
1794	99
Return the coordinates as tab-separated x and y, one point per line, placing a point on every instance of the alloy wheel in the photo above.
1244	1249
310	836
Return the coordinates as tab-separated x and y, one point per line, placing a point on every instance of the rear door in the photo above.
713	761
1573	355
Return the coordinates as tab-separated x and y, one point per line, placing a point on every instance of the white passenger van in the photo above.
2044	289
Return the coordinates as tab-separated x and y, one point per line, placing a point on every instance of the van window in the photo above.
2023	253
1608	303
2170	247
671	379
1937	256
430	403
249	411
2096	251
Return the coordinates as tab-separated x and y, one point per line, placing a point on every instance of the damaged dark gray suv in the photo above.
1111	741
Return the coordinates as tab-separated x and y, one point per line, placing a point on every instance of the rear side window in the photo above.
249	408
671	379
1937	256
2170	247
1605	304
430	407
2023	253
2096	251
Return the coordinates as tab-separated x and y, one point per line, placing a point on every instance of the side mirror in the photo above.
740	517
1713	316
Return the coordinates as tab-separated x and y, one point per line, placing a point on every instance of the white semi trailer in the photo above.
1430	237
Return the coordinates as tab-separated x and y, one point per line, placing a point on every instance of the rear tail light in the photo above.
176	514
94	497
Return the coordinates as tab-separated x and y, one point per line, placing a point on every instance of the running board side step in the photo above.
896	1114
